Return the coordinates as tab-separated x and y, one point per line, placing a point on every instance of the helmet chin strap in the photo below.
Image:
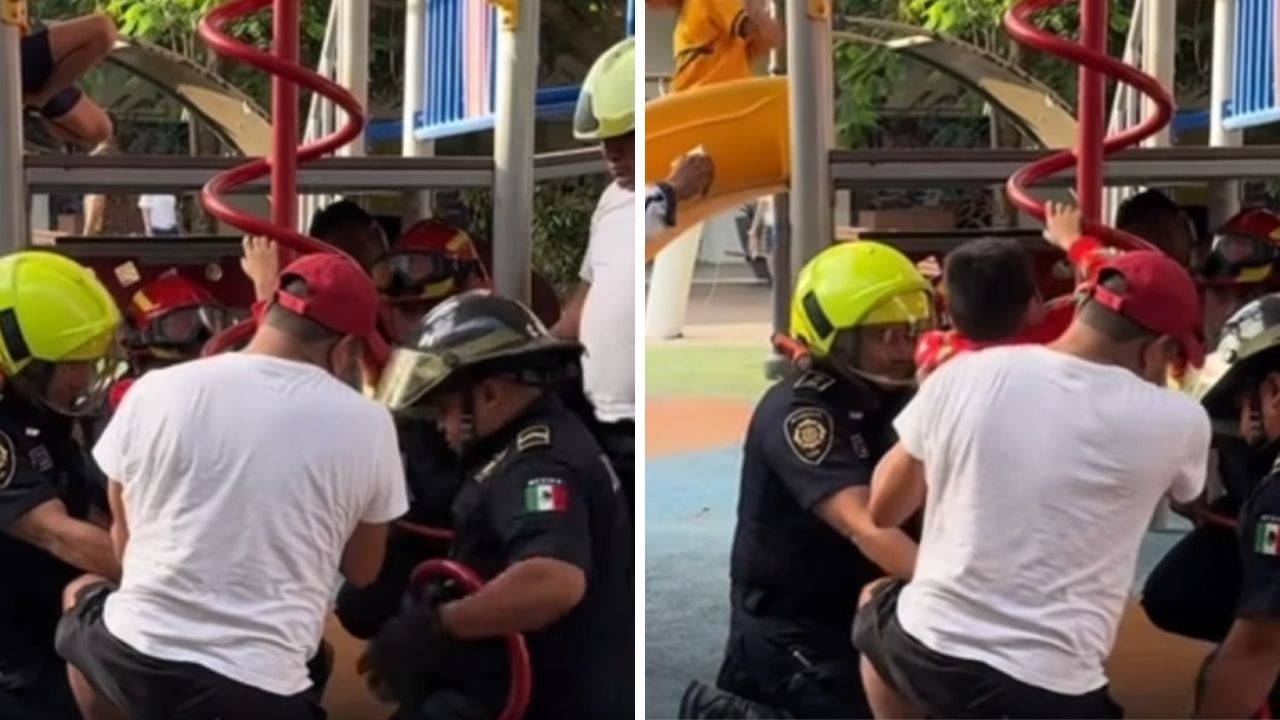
884	381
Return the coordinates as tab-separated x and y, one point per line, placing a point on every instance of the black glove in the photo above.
413	656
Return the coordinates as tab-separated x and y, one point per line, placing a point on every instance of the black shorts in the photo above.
37	68
947	687
147	688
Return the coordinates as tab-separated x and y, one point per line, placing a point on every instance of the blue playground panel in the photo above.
461	76
691	503
1253	87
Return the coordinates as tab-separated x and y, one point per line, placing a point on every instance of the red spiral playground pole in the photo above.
1095	67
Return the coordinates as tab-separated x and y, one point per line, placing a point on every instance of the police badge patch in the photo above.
8	460
809	433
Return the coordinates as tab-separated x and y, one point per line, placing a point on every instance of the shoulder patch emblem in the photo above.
814	380
1266	536
546	494
809	433
532	437
8	460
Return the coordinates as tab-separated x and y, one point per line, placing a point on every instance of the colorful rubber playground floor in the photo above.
699	399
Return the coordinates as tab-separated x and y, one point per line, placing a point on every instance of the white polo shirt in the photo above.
1043	472
608	314
244	476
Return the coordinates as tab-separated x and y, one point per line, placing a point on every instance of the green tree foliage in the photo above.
867	75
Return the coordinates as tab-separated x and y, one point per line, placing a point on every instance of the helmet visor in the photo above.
408	377
913	310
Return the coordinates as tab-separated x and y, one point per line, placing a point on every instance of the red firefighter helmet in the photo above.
172	317
1245	249
431	261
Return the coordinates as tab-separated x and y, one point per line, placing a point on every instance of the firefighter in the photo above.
431	261
1241	388
58	340
540	518
804	545
171	318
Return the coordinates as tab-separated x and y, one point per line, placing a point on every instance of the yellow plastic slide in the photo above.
741	125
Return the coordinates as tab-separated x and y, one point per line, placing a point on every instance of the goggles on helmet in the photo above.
409	274
193	324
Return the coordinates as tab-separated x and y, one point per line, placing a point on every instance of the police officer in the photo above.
804	544
58	328
540	517
1240	386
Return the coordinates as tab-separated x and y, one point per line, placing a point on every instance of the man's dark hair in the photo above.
1144	210
342	216
988	283
303	329
1115	327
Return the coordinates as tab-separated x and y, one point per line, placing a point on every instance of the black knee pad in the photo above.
62	103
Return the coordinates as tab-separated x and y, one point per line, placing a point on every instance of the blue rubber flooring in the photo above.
691	499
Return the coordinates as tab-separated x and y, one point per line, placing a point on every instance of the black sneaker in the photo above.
703	702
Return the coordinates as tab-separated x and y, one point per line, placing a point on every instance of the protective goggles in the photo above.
411	273
184	326
1232	255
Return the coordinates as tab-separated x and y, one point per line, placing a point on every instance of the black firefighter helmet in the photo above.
468	338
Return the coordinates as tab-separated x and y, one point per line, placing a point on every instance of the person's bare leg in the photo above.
885	702
76	45
92	705
85	124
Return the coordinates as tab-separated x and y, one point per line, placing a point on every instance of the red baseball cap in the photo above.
1159	295
340	296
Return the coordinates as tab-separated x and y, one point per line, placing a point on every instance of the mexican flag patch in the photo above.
1266	538
546	495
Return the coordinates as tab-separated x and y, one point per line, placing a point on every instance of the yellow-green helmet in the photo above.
856	284
607	104
54	310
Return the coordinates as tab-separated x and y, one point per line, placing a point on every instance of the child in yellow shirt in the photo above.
716	40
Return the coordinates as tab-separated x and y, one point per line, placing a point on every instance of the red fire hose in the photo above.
1096	66
521	667
287	76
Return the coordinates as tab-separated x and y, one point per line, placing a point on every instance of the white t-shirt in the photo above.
244	476
1043	472
161	210
608	315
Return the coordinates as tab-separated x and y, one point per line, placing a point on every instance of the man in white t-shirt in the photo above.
239	486
159	214
1039	469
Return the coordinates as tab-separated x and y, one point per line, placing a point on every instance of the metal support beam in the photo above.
811	229
775	364
513	148
353	61
81	174
1224	195
13	196
955	168
418	203
1159	42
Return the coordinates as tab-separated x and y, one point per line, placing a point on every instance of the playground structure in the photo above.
800	159
513	64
